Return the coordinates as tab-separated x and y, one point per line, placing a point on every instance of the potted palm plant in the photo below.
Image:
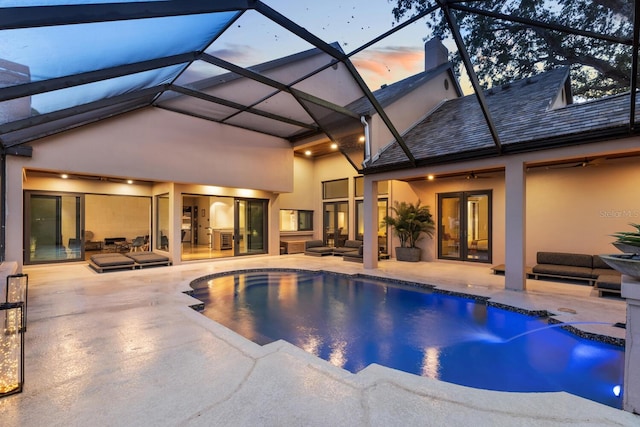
628	241
410	223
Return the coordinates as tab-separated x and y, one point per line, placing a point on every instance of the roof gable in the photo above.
521	110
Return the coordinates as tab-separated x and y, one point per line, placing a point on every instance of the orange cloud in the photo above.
388	65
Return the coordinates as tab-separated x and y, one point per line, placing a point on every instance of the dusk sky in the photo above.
255	39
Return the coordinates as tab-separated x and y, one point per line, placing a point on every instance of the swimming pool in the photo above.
353	322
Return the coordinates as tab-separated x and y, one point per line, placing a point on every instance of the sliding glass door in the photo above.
250	234
464	221
53	228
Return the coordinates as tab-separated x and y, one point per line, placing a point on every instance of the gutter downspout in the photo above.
367	141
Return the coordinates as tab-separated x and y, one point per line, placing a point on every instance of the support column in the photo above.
515	225
370	208
631	388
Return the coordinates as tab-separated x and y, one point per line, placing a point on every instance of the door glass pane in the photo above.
450	227
255	227
478	227
382	227
54	229
336	223
359	220
162	222
250	235
329	223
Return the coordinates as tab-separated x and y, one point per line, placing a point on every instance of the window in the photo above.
383	187
337	189
296	220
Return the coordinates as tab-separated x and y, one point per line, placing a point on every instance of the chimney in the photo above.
12	74
435	54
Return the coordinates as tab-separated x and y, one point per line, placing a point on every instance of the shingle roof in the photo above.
388	94
521	113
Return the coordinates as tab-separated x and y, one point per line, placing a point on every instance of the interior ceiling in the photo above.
64	64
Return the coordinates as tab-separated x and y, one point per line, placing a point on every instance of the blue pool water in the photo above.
354	322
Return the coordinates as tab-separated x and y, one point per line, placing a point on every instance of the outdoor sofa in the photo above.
317	248
354	256
575	266
349	246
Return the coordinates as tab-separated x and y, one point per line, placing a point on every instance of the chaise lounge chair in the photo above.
148	259
111	261
117	261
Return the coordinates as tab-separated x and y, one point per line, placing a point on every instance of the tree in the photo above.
503	51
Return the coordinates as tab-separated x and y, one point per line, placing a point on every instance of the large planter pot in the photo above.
408	254
624	263
626	248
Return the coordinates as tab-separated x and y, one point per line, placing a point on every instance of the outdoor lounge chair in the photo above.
111	261
317	248
148	259
349	246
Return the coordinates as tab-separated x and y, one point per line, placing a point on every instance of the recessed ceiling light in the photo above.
129	181
307	153
64	176
361	139
334	146
430	177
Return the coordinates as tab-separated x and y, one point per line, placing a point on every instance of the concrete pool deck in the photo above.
124	348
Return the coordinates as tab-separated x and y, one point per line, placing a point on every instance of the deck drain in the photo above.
567	310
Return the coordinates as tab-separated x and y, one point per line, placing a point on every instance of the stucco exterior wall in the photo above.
577	209
404	114
305	191
152	145
571	209
158	145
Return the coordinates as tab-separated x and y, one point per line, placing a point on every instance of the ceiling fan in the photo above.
585	163
473	175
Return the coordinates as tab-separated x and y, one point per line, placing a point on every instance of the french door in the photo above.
250	233
53	228
336	223
464	220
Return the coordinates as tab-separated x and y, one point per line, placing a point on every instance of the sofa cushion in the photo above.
352	243
599	263
597	272
563	258
563	270
609	282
